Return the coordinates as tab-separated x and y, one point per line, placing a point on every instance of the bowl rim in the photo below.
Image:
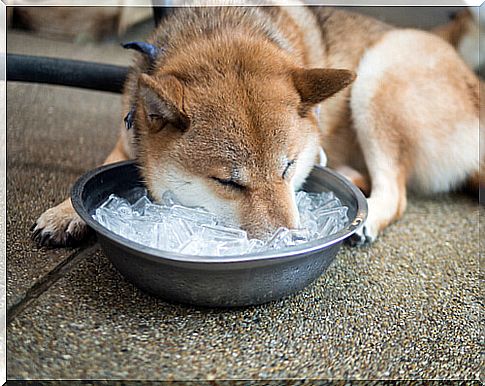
157	254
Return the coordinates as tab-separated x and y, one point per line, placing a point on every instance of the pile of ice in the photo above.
169	226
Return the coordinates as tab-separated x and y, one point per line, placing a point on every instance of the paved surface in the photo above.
407	307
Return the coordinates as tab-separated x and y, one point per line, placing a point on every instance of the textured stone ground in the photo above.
407	307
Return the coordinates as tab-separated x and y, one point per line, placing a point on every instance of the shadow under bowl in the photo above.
213	281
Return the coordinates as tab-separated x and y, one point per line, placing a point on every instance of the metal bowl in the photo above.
207	280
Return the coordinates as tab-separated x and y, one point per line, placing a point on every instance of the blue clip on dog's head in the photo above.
145	48
130	118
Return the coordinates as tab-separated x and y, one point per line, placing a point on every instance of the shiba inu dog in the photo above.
221	105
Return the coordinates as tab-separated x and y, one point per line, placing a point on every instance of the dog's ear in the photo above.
162	101
315	85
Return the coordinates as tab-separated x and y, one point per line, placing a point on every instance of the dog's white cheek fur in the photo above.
304	165
306	161
192	191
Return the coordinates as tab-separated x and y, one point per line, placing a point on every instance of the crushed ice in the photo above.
169	226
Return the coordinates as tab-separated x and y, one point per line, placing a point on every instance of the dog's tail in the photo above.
456	29
476	182
481	170
463	33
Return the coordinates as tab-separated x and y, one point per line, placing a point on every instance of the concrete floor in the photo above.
407	307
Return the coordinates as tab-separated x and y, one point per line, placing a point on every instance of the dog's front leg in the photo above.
387	200
61	225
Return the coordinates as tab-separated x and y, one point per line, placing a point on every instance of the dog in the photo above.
222	105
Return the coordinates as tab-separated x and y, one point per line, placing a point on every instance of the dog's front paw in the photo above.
364	236
377	219
59	226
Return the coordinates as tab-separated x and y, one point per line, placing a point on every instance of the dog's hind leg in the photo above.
415	112
358	179
61	225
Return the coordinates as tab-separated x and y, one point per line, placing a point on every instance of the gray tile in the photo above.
54	134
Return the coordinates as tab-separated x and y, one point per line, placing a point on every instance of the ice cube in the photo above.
281	238
114	202
174	233
156	211
312	227
320	199
300	236
138	208
306	217
169	199
303	201
200	247
309	221
220	233
333	203
325	197
184	227
327	226
198	216
136	193
255	245
192	247
112	220
101	215
338	213
143	231
232	247
124	210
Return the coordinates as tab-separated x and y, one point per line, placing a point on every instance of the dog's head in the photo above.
236	135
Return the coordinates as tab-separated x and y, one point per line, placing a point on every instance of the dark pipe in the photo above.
158	14
66	72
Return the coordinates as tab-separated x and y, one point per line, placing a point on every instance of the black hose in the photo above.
158	14
66	72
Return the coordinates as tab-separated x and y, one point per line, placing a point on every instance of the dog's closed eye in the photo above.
156	121
289	164
229	183
155	117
